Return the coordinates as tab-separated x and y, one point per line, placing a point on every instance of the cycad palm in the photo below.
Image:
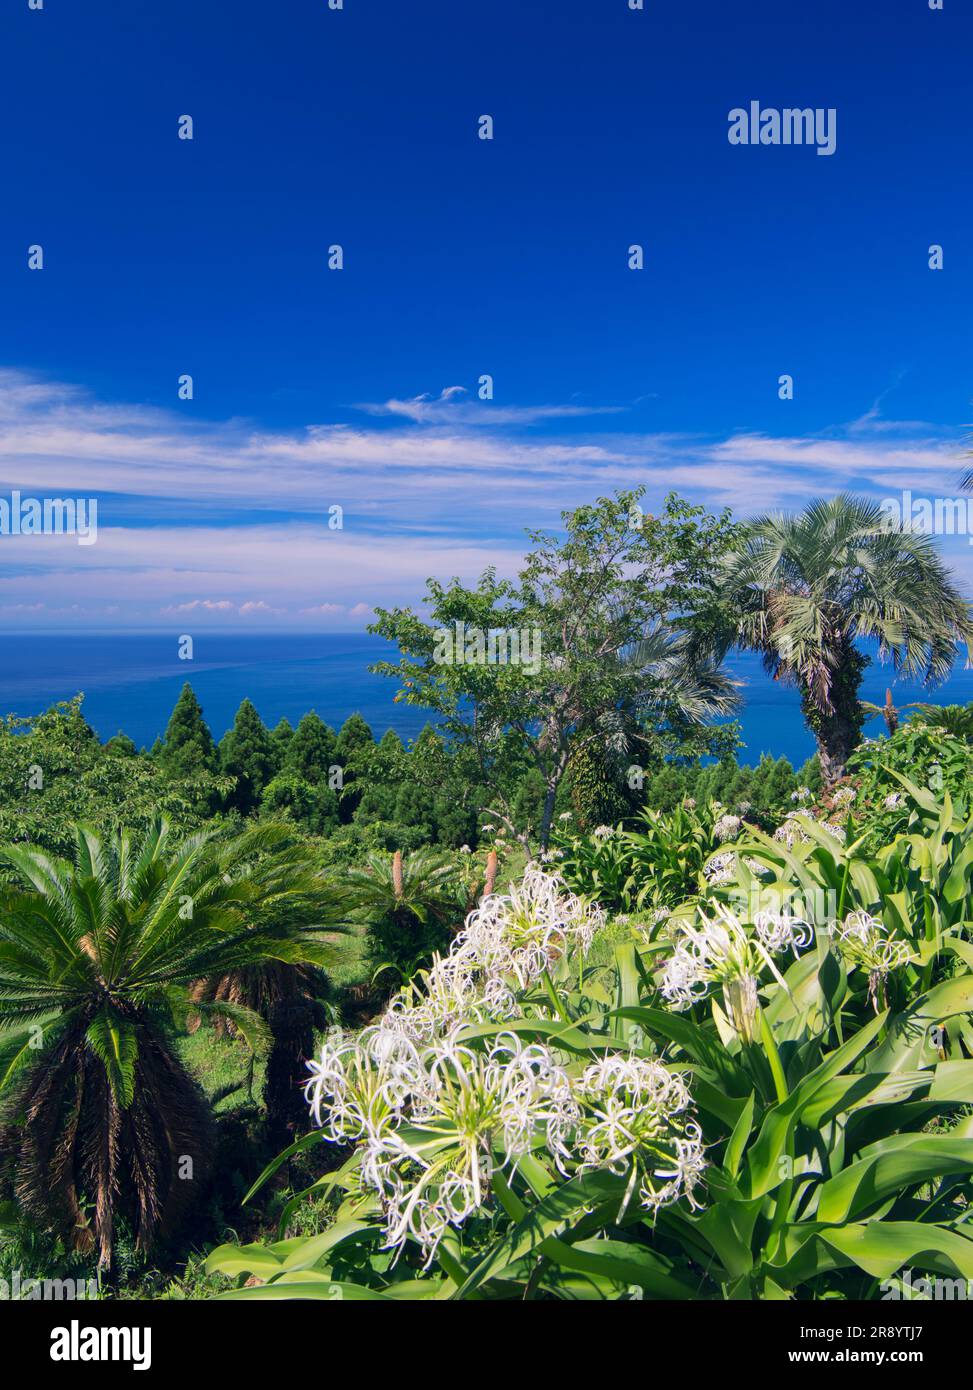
408	904
94	958
806	587
288	996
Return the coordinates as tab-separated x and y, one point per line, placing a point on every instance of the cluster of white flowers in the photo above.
863	940
504	947
719	950
789	832
843	796
802	794
436	1123
636	1117
727	828
464	1111
719	869
603	832
892	800
436	1119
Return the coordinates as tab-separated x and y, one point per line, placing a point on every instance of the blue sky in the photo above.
357	388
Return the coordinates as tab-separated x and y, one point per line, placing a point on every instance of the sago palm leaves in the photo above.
408	905
94	956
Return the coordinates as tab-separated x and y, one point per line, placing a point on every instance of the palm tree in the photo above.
409	905
95	961
291	998
806	587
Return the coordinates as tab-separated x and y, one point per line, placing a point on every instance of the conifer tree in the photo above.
312	751
281	738
188	748
247	753
355	745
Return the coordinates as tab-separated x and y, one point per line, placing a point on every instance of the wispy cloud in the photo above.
222	522
453	406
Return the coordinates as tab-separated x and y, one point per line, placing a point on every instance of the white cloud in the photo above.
188	509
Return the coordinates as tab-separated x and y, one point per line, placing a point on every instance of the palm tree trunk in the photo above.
291	1022
837	730
837	739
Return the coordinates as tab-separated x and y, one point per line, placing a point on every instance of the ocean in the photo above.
131	682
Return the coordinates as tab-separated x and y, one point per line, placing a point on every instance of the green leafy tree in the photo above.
121	746
247	754
806	588
281	736
54	772
385	778
311	804
616	621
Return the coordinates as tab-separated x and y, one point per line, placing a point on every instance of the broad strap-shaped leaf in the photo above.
891	1167
540	1225
762	1173
907	1045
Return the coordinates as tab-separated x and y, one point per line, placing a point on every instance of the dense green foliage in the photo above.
787	1060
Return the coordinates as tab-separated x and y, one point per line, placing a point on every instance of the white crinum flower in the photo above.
843	796
437	1000
504	947
477	1110
637	1119
719	869
359	1085
802	794
719	950
603	832
863	940
727	828
781	930
892	800
520	934
465	1111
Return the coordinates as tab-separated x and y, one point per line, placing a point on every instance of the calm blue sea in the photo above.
131	683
